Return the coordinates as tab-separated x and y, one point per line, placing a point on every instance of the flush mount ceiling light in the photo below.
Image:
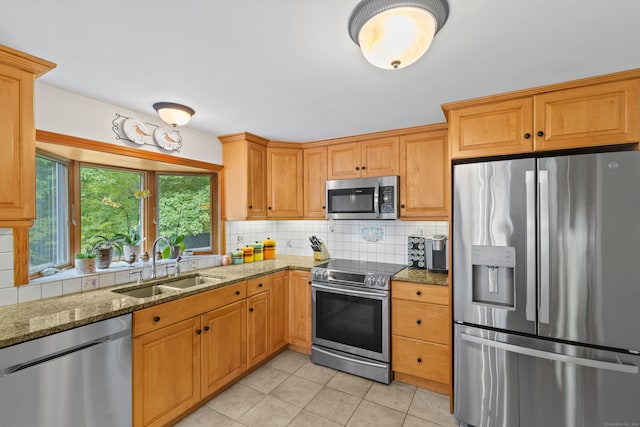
174	114
394	34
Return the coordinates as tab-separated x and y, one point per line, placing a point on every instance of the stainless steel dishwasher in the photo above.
80	377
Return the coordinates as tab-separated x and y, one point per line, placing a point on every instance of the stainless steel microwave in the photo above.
363	198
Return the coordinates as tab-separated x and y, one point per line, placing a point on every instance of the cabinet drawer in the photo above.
257	285
419	320
418	292
421	359
159	316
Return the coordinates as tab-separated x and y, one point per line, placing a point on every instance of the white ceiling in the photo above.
287	69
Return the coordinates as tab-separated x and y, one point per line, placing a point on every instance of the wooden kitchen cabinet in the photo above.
166	373
284	181
421	331
278	300
425	174
364	159
588	113
300	311
315	177
245	176
224	346
258	342
17	136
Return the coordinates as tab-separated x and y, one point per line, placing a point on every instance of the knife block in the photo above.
323	254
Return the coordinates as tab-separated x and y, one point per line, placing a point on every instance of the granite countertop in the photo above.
34	319
422	276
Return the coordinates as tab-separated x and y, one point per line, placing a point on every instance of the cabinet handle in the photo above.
527	135
156	319
357	168
251	310
402	206
250	206
206	328
259	285
198	331
419	322
419	360
237	292
419	293
363	167
540	133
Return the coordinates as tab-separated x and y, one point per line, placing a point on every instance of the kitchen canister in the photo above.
248	254
237	256
269	250
258	254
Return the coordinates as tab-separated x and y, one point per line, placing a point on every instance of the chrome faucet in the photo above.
153	253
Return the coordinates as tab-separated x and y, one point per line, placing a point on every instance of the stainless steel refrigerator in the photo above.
546	285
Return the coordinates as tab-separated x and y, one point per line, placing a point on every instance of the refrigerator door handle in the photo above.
556	357
531	246
543	307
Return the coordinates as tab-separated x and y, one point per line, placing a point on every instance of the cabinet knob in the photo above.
527	135
198	331
259	285
269	208
357	168
206	328
540	133
324	207
250	206
419	322
309	282
251	310
419	293
419	359
237	292
363	168
402	206
156	319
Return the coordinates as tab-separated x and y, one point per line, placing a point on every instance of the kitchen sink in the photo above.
168	286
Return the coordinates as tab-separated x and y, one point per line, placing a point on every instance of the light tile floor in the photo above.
291	391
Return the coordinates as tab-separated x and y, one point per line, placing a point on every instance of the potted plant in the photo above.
103	248
177	246
86	262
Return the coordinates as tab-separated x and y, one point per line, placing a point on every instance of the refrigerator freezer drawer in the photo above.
509	380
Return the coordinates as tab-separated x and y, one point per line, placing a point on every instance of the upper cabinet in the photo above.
17	136
284	181
424	174
315	178
245	170
592	112
376	157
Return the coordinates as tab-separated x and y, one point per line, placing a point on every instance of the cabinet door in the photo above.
424	175
315	177
256	182
588	116
224	346
380	157
300	310
278	310
17	148
257	328
284	183
166	373
343	161
504	127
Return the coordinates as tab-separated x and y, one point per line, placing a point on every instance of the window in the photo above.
49	236
184	207
107	203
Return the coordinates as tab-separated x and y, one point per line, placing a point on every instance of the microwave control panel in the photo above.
386	200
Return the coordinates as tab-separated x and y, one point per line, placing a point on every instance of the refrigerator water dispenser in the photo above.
493	275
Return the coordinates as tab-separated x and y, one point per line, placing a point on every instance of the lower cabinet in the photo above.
300	311
421	330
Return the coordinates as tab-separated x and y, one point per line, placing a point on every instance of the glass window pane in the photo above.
49	236
185	209
109	204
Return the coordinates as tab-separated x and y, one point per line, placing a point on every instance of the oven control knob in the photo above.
368	281
325	274
381	282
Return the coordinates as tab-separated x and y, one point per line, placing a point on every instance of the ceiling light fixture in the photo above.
174	114
393	34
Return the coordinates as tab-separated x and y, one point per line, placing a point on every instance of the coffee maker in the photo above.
437	254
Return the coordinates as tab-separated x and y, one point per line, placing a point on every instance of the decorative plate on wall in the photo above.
168	139
137	131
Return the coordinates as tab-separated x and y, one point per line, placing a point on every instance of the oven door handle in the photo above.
353	292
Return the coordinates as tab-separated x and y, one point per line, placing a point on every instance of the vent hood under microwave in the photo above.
363	198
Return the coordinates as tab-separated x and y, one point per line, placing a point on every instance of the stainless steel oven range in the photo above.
351	316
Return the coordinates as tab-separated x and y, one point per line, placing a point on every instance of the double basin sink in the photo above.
168	286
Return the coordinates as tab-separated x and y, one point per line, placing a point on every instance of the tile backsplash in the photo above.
379	241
